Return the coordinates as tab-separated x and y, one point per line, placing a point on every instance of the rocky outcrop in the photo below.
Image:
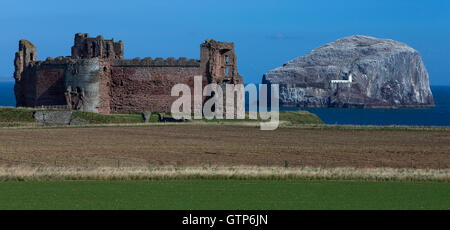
383	73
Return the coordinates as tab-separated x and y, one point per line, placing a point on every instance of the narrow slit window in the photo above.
226	59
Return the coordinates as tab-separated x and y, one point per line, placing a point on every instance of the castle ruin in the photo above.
97	78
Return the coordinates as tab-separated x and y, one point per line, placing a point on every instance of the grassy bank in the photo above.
300	117
24	116
97	118
224	194
291	117
19	116
15	115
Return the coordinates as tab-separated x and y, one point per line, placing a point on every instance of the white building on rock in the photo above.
349	80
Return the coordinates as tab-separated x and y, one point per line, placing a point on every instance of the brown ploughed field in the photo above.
228	145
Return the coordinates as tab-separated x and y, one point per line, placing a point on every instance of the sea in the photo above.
435	116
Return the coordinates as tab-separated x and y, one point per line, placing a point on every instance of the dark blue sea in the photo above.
7	97
436	116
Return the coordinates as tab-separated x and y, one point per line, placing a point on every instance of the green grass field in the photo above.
224	194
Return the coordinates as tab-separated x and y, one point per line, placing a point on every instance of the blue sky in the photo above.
266	33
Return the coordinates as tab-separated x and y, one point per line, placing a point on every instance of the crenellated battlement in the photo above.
57	60
157	62
145	62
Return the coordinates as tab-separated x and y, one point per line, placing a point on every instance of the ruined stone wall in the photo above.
38	82
42	83
145	85
23	73
104	86
86	47
96	78
25	88
219	62
49	84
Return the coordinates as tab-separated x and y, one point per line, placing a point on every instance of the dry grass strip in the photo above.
239	172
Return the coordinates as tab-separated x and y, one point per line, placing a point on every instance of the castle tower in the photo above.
218	62
27	54
24	58
86	47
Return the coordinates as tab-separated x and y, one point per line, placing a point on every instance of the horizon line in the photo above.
4	80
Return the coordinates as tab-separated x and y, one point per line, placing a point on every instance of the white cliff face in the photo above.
385	73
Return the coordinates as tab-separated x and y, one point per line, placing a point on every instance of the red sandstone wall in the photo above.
43	85
105	92
137	89
27	88
50	86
